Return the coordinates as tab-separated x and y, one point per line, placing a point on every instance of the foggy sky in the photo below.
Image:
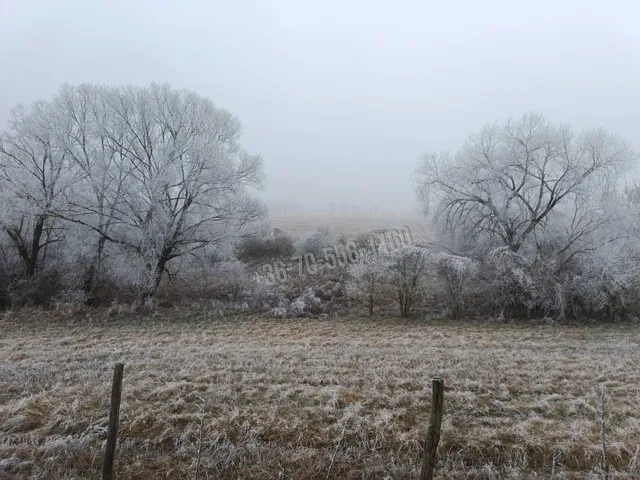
341	98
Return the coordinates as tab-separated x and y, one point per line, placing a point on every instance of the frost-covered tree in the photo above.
406	271
366	276
36	174
508	181
148	175
457	272
233	277
534	201
163	173
315	242
102	169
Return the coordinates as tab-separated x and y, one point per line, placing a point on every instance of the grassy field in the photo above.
328	398
349	224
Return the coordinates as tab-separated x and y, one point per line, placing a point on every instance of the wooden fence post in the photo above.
433	434
114	417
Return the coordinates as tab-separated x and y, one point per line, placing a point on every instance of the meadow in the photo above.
349	224
336	398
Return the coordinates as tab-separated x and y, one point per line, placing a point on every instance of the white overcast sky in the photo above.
341	97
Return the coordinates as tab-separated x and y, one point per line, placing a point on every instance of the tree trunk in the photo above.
92	272
151	290
371	294
87	286
405	304
32	263
28	255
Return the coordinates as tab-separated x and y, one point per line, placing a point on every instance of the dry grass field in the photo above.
334	398
349	224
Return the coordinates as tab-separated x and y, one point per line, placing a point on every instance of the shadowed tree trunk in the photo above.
371	296
92	271
28	251
158	270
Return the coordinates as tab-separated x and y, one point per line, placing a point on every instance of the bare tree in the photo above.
102	167
366	276
156	172
539	205
167	173
35	176
406	270
457	272
508	180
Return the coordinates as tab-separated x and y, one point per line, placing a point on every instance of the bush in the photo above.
5	297
406	272
365	240
263	296
366	276
233	278
39	290
6	279
70	299
256	247
222	252
511	281
606	284
603	284
315	242
457	272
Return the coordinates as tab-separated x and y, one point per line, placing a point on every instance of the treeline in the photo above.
108	191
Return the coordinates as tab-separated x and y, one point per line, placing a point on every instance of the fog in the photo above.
339	99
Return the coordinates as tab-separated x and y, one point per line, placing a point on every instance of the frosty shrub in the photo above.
70	299
602	282
406	270
366	277
366	238
233	278
270	246
263	296
315	242
457	272
306	304
608	283
37	290
510	281
221	252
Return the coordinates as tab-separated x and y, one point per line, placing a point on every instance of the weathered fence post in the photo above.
114	417
433	434
603	428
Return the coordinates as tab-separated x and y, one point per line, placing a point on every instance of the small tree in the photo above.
366	276
315	242
233	277
457	271
406	272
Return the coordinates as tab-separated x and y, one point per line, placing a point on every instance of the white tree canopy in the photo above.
512	177
157	171
36	174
